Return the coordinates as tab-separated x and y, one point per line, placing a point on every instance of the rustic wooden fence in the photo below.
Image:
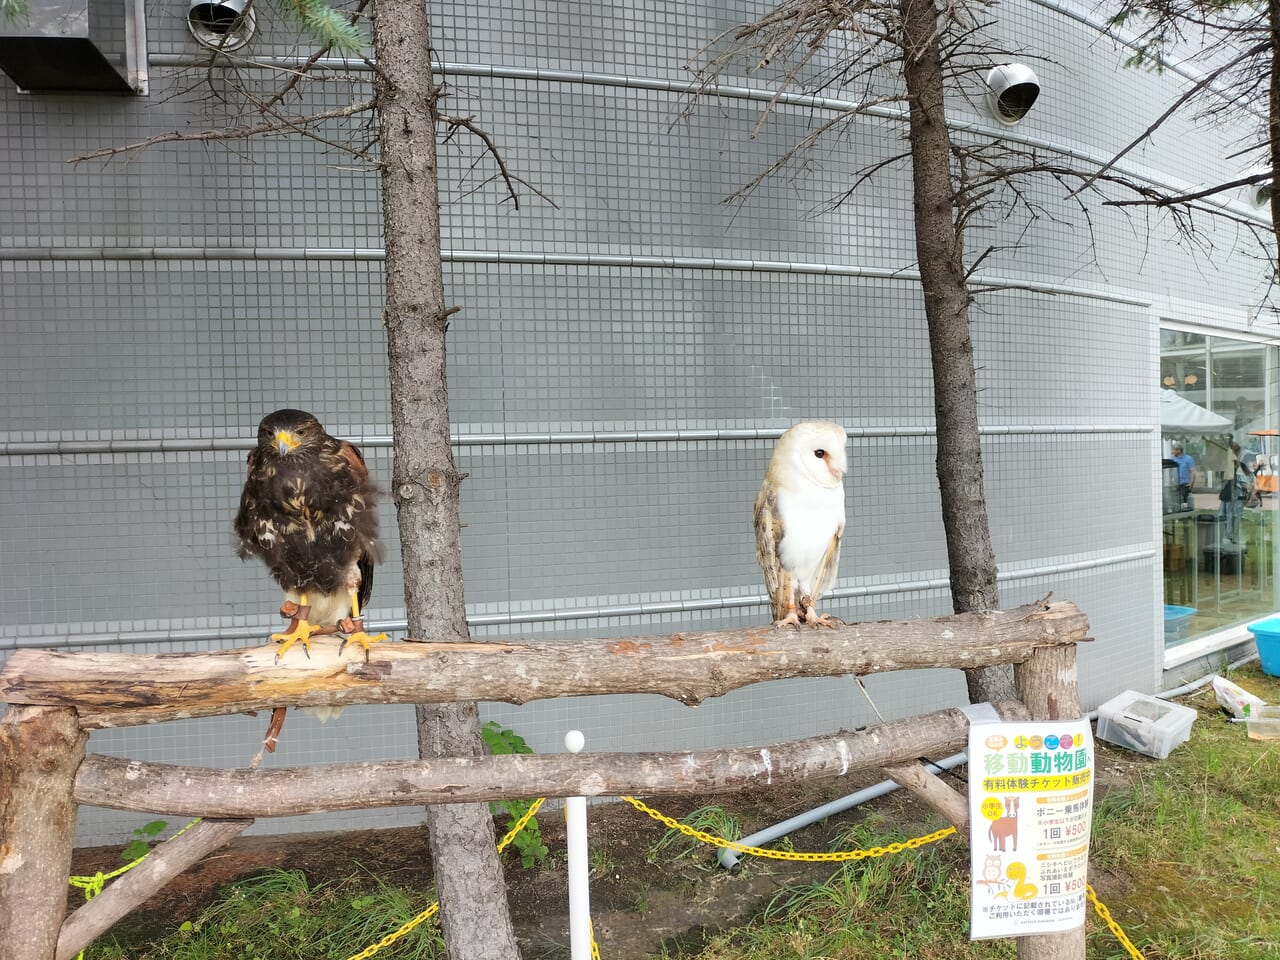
54	699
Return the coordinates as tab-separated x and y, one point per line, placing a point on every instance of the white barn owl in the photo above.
799	514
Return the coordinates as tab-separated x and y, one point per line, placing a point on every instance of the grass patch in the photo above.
909	905
676	845
1197	839
280	915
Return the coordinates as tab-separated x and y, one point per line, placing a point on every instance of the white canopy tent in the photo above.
1179	415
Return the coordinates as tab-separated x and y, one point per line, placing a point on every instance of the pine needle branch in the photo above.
14	10
325	24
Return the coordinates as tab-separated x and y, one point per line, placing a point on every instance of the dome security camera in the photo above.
221	24
1258	193
1012	89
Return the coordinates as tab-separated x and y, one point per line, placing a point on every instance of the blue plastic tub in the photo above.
1176	622
1267	634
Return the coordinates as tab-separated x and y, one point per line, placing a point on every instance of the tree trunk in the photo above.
1047	685
1273	127
40	750
940	252
425	483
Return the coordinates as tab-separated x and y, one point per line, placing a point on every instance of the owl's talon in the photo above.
824	620
792	619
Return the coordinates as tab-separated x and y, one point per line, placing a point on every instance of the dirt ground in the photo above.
637	907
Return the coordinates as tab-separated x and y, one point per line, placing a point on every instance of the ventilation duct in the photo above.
75	46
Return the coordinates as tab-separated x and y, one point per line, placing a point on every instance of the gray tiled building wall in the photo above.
180	294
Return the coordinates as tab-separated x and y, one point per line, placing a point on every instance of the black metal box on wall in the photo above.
74	46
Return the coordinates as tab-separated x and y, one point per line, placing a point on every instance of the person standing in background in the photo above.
1234	493
1186	475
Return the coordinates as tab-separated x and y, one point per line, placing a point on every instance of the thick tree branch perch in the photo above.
114	689
188	791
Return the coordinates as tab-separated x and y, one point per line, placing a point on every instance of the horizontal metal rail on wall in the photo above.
108	444
523	258
936	584
528	258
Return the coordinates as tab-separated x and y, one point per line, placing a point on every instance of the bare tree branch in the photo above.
277	128
1177	199
468	123
1198	89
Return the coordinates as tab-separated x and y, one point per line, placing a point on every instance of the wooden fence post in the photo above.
1046	683
56	697
40	751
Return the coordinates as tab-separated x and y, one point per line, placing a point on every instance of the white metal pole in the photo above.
575	814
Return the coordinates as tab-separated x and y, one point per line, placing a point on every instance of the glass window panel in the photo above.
1219	546
1237	381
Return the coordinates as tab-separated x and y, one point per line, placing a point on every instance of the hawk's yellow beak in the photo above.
285	441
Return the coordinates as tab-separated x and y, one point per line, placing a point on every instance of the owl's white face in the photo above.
814	449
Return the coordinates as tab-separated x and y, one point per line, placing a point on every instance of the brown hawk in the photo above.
309	512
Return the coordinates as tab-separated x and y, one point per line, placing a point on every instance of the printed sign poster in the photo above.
1030	809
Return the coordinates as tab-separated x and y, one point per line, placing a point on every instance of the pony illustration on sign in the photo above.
1005	829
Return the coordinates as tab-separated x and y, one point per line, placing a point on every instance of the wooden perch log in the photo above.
189	791
933	791
116	689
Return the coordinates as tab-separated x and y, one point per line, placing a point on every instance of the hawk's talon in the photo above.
359	636
299	631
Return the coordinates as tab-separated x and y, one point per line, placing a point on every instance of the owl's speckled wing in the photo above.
826	571
769	530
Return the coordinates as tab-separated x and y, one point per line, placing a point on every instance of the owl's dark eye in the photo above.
820	453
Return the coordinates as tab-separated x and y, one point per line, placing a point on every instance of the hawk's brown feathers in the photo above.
308	511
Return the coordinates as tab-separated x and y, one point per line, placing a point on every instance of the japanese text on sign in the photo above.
1030	806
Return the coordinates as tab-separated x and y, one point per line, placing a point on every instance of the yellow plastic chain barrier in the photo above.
1117	931
92	886
839	857
431	911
